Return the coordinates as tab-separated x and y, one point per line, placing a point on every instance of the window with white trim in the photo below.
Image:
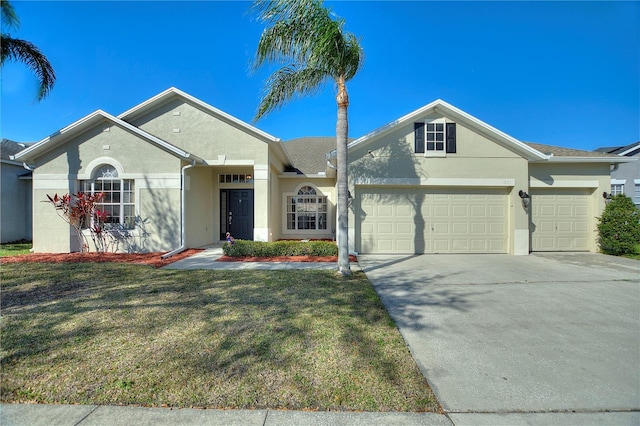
435	137
636	195
307	210
617	189
119	196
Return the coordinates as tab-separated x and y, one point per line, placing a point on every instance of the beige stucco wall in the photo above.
479	162
59	170
200	214
200	133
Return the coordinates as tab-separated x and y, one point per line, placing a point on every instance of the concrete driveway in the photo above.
519	334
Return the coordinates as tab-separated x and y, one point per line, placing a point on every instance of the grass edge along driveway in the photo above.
131	334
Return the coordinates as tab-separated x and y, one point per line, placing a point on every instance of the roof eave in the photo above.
608	160
449	110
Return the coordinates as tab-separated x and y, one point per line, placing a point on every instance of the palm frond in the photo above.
288	83
18	50
9	16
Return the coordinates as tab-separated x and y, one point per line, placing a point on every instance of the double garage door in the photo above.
418	220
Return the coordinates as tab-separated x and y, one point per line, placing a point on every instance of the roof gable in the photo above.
88	122
172	93
441	107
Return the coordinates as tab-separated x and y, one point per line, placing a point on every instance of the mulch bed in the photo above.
152	259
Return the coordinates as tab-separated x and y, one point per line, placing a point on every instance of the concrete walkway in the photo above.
207	259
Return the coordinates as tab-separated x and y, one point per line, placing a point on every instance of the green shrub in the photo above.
619	227
280	248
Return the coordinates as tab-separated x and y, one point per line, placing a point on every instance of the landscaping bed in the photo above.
152	259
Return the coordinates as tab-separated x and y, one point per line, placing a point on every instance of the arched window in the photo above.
306	210
119	195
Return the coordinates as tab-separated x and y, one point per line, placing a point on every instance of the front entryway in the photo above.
236	213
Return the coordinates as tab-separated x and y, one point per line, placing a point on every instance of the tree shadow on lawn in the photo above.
271	339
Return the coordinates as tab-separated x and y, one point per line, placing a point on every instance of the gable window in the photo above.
306	210
435	137
119	196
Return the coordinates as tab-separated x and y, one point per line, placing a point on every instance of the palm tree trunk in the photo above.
342	132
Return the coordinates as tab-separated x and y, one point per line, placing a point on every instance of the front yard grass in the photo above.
16	248
131	334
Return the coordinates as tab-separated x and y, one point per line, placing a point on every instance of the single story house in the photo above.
16	203
179	173
625	178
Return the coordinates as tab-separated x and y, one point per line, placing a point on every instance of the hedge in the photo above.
280	248
619	227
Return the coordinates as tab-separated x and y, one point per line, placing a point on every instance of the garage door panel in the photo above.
560	219
448	220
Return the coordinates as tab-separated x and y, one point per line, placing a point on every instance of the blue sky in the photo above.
558	73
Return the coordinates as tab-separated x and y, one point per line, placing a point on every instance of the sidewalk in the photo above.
99	415
87	415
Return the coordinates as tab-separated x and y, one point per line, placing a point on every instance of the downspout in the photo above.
183	215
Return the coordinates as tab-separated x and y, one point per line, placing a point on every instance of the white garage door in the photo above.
447	220
560	219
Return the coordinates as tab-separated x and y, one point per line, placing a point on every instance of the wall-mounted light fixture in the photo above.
526	199
607	197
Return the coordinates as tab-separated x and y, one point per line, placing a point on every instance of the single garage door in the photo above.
418	220
560	219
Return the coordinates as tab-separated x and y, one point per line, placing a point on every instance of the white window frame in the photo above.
636	192
617	186
435	152
321	216
126	194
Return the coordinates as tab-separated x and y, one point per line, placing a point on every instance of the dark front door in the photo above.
236	213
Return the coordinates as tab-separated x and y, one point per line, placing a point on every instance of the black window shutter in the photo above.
451	138
419	137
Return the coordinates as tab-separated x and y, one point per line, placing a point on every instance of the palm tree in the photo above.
18	50
313	48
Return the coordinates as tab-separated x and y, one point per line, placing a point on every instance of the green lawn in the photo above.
131	334
14	249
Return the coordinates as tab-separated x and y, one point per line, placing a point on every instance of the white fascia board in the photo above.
449	110
215	111
85	122
609	160
54	137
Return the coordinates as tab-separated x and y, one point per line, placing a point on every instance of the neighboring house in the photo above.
16	203
181	173
625	178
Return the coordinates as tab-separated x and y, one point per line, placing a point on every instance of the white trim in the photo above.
260	172
294	232
536	183
618	181
88	174
95	117
636	181
222	161
609	160
456	115
507	182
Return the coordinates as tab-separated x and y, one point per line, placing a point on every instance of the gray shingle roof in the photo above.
9	148
309	153
558	151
